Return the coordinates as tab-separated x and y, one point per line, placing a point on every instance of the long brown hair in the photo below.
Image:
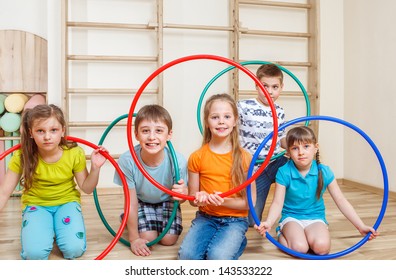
303	134
29	157
237	172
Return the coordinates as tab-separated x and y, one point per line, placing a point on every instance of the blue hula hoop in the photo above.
384	201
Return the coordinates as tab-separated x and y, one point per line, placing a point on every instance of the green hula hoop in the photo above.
175	204
306	97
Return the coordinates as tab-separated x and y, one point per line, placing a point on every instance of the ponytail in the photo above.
29	155
320	176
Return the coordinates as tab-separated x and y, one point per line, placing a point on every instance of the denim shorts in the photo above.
214	238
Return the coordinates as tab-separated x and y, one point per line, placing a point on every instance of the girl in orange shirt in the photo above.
218	231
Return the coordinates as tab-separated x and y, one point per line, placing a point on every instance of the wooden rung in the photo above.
5	138
284	93
275	33
24	91
290	63
107	91
105	25
114	156
275	4
93	124
112	58
294	64
198	27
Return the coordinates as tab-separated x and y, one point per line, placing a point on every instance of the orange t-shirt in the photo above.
214	176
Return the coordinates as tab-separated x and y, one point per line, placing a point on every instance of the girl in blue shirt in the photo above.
300	185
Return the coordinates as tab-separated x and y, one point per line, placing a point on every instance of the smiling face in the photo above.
47	134
221	120
274	87
152	136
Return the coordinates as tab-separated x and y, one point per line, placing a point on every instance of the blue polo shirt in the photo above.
300	198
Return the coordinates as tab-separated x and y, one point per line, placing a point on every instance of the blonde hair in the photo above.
29	155
303	134
237	172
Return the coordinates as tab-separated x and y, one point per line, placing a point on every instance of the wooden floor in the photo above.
344	235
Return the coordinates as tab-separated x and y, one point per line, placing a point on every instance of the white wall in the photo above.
331	83
54	40
29	16
370	88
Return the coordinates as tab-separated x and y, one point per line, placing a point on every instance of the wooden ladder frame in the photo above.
236	30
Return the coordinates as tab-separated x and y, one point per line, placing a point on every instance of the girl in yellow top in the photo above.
218	231
49	165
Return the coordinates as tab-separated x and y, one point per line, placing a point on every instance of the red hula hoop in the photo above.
124	183
188	58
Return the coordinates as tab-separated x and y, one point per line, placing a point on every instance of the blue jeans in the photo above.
214	238
263	184
40	224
